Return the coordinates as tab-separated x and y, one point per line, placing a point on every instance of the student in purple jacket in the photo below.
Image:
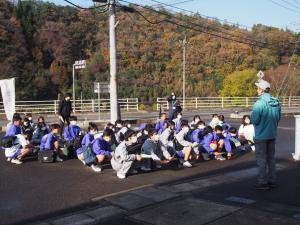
102	147
15	128
51	141
160	123
72	131
89	136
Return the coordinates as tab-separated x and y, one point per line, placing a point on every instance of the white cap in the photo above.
263	84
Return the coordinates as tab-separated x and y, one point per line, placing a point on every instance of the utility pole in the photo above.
184	44
114	115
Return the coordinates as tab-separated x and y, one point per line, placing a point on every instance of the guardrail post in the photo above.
196	103
290	99
296	155
127	108
55	107
93	106
222	102
247	102
137	104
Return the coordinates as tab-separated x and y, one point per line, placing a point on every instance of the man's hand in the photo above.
138	157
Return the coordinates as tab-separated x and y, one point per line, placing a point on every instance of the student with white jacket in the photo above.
121	161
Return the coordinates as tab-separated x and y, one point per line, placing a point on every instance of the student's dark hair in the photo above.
119	122
162	114
28	115
92	126
232	130
26	119
28	133
200	123
41	117
68	95
267	90
152	132
184	123
55	126
129	133
205	132
148	127
169	123
221	117
196	116
219	128
109	125
178	113
244	118
73	118
107	133
16	117
127	122
214	115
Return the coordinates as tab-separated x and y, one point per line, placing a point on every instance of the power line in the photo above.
216	30
202	15
290	4
283	6
89	8
193	28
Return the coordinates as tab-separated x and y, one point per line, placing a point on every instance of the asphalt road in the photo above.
33	191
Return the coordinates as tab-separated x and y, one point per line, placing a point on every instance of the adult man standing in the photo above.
265	117
65	110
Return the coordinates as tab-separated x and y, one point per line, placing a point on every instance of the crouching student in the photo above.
120	130
121	161
185	147
246	133
102	147
85	153
51	142
19	149
160	124
41	129
234	141
223	143
71	132
193	124
177	122
151	150
166	141
196	134
210	147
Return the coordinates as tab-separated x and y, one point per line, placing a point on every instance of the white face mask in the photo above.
197	120
129	125
30	118
179	117
156	137
25	123
186	129
201	127
247	121
73	122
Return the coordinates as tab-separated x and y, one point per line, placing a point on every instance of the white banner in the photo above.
8	96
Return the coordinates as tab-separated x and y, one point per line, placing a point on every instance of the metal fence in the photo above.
226	102
81	106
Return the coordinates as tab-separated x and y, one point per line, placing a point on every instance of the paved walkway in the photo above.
221	199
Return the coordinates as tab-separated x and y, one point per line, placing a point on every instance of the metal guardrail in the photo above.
81	106
225	102
132	104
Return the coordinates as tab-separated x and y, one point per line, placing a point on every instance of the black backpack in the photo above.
8	141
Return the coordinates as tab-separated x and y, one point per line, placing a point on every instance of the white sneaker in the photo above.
187	164
220	158
8	159
158	166
16	161
253	148
96	168
121	176
145	169
58	159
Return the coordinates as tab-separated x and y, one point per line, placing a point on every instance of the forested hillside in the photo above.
39	42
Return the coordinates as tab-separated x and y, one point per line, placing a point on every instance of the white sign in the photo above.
9	97
101	87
